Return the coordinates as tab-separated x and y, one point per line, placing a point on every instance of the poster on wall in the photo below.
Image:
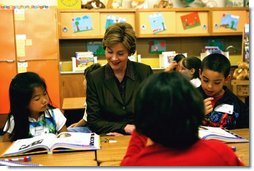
82	23
157	46
190	20
157	23
111	19
96	47
229	21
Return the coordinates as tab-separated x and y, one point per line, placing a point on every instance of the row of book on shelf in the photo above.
82	60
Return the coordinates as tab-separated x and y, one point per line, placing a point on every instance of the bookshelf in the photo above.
190	41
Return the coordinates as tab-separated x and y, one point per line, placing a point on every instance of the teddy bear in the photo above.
242	71
164	4
93	4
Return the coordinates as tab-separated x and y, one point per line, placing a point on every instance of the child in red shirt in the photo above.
168	113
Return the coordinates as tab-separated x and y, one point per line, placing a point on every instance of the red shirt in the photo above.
202	153
215	99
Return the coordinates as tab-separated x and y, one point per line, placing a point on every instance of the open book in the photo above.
206	132
65	141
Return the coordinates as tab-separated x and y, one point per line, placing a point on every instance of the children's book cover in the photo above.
190	20
82	60
82	23
157	23
96	48
157	46
166	58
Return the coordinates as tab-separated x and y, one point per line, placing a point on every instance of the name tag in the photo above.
225	108
39	130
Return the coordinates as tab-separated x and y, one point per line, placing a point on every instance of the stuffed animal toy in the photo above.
242	72
139	4
93	4
164	4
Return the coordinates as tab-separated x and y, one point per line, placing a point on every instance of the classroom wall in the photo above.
150	3
29	2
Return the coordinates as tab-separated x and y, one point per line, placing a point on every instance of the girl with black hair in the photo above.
31	112
190	67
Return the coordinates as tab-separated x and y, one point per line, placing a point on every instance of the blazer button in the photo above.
123	107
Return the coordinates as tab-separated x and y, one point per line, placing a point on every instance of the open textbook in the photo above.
206	132
65	141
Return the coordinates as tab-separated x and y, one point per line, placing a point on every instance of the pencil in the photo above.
21	159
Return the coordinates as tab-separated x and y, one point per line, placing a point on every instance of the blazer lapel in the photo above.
131	85
111	85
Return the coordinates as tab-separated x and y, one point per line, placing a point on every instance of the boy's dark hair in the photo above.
169	110
216	62
192	62
179	57
91	68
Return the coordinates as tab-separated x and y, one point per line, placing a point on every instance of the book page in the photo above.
206	132
28	144
76	140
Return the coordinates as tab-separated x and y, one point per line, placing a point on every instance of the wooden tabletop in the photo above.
73	103
242	149
74	158
113	149
85	158
112	153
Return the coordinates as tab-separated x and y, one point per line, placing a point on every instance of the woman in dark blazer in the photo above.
111	88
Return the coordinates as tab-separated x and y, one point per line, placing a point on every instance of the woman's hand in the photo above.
128	129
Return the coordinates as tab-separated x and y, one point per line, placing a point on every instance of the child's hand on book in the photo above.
208	105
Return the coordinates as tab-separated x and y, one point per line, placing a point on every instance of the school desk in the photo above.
113	149
74	158
243	149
